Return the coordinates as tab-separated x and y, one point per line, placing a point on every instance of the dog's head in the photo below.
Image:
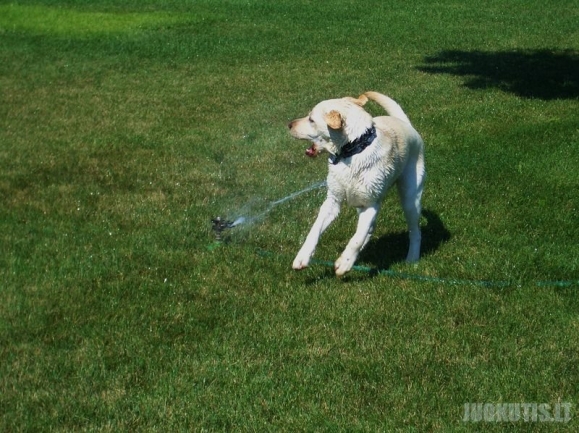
331	124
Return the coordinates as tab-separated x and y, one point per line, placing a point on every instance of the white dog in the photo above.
367	155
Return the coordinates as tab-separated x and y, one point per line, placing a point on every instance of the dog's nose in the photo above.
289	125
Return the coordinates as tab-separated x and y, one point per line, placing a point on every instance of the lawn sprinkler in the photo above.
219	225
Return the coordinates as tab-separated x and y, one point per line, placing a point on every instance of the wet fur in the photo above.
395	156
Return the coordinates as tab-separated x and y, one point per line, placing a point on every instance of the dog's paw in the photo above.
343	265
300	262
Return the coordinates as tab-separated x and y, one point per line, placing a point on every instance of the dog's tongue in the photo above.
311	152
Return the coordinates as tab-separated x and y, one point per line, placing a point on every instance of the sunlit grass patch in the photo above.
63	21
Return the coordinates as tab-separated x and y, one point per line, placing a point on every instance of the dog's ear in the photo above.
334	119
361	101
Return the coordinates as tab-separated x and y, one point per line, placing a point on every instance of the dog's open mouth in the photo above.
312	151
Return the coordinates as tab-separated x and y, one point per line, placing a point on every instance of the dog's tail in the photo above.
391	106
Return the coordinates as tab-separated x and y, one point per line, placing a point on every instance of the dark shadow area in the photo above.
392	248
380	254
543	74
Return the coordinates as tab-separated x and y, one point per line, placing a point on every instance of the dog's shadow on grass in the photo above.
383	252
543	74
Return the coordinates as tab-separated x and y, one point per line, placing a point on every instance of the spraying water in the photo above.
273	204
295	194
219	224
238	221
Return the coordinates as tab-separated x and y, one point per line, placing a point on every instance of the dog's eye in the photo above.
310	119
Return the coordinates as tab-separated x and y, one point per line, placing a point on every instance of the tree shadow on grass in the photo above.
543	74
392	248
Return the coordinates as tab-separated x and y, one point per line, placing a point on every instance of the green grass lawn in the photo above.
126	126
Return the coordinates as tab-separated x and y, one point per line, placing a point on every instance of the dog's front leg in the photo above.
328	213
366	224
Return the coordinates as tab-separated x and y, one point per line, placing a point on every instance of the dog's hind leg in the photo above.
366	224
410	186
329	210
